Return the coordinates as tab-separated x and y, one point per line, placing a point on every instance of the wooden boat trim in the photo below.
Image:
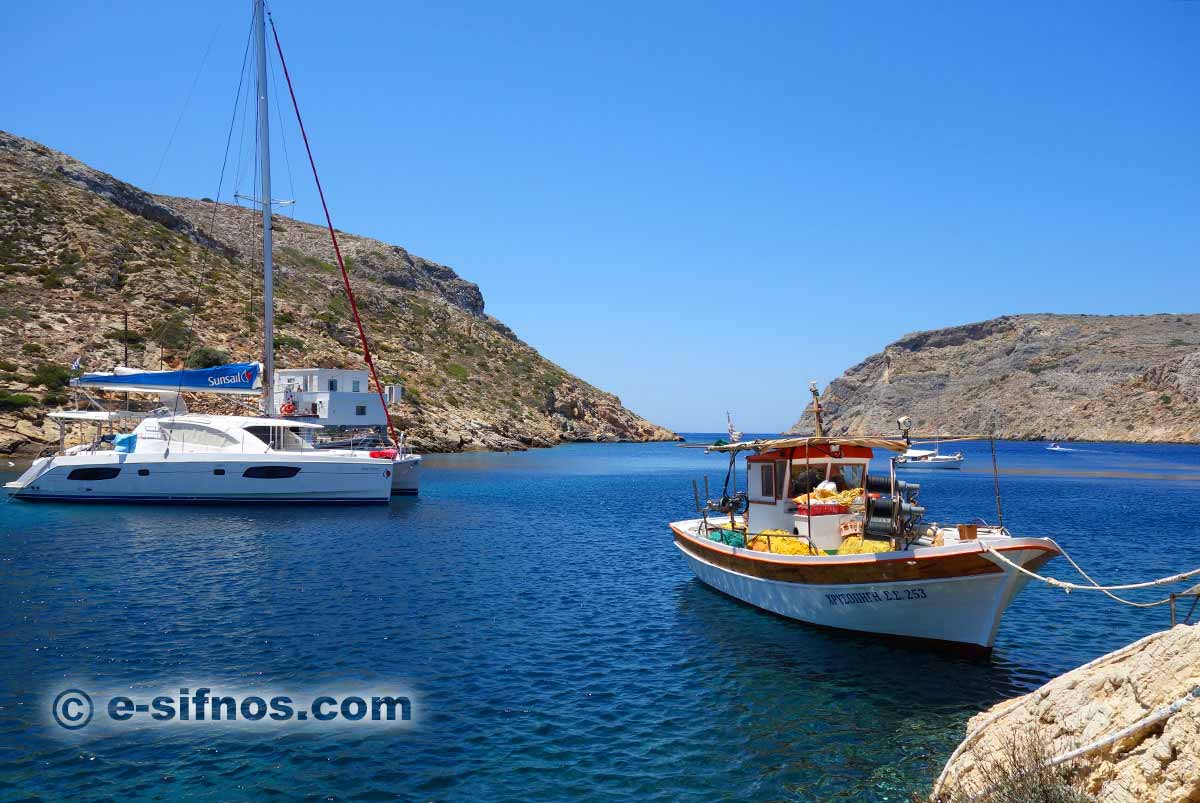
854	569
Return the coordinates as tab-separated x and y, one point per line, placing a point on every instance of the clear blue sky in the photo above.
697	206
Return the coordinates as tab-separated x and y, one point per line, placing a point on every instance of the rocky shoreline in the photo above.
1103	378
1155	680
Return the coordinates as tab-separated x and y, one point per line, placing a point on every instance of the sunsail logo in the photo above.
246	377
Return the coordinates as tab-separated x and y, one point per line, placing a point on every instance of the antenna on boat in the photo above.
816	394
996	470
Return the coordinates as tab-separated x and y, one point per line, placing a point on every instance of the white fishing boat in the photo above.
815	537
172	456
928	459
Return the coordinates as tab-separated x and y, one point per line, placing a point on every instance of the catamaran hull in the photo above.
959	603
406	475
186	479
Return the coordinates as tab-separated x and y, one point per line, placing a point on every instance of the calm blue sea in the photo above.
556	645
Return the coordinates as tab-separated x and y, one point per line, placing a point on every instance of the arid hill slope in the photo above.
78	247
1079	377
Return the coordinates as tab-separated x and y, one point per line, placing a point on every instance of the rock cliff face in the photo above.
1160	764
1070	377
79	247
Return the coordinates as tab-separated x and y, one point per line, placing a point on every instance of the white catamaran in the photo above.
174	456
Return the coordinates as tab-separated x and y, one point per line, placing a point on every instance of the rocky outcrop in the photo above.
1156	764
79	248
1067	377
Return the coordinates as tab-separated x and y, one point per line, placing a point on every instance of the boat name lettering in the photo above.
860	597
231	379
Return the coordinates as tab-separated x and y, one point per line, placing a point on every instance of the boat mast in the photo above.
264	145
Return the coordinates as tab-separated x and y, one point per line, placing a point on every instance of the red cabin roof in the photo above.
813	452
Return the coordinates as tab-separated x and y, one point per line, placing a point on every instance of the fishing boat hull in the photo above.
197	478
951	595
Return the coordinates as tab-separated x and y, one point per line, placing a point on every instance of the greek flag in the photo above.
734	435
75	366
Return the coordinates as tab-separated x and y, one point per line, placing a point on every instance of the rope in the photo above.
362	335
186	102
1069	586
1153	718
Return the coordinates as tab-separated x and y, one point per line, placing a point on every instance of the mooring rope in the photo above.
1068	586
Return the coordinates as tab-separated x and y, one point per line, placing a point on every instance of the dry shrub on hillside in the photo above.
1020	772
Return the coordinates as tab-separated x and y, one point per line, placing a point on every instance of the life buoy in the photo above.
287	408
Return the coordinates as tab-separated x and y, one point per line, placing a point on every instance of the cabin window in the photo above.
283	439
806	477
220	472
143	472
360	409
197	435
333	386
271	472
847	475
93	473
767	480
355	386
780	477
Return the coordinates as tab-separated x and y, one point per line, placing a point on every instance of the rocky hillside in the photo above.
1156	762
79	247
1071	377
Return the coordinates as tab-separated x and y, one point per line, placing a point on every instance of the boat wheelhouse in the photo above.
817	537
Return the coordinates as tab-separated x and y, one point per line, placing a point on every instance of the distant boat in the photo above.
1054	447
929	459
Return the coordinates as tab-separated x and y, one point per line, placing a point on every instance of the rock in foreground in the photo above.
1160	764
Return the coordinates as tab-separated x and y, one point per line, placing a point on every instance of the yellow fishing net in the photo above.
827	497
857	545
781	543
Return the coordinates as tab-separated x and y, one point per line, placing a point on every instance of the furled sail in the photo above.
241	378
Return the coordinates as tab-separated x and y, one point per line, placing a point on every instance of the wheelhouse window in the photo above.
766	475
847	475
333	386
806	477
355	385
281	439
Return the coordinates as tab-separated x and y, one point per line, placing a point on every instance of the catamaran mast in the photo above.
264	145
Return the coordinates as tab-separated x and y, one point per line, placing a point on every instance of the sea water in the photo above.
554	641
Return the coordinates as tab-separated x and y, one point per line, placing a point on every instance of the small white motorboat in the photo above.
928	459
1054	447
